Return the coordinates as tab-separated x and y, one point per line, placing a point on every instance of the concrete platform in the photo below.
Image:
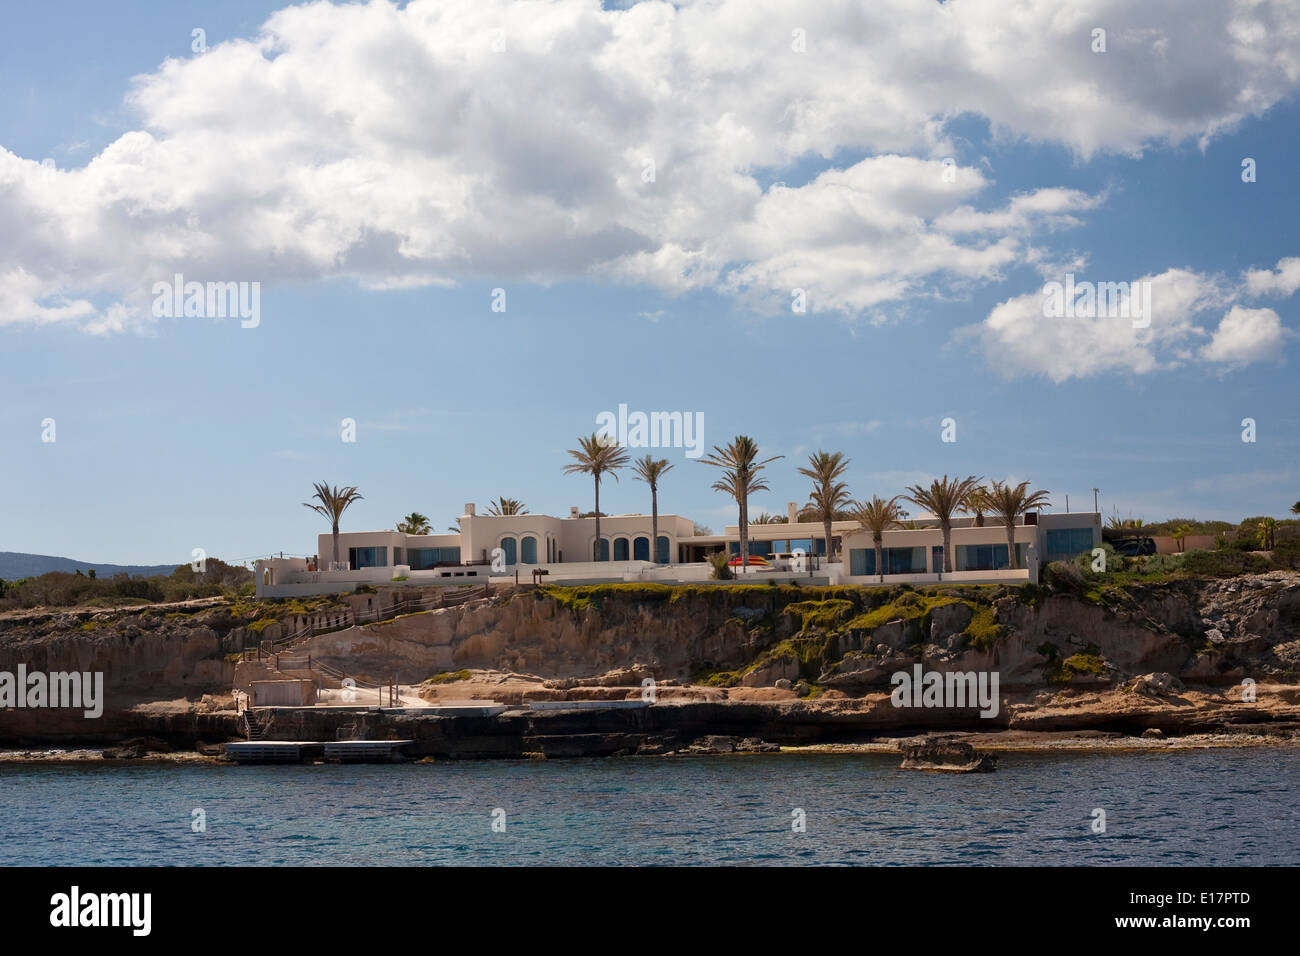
634	704
274	751
366	751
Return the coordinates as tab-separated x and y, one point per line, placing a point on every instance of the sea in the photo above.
1157	808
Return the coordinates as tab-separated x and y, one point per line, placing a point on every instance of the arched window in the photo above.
620	549
602	550
508	546
662	549
528	550
641	549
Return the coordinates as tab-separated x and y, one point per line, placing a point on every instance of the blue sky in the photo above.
180	433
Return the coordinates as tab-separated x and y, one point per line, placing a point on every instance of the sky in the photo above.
475	226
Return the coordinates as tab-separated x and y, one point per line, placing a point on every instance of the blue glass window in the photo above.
641	549
897	561
662	556
1065	543
602	550
422	559
620	549
509	546
528	550
368	558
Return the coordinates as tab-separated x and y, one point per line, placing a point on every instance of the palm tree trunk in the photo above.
744	533
595	554
880	561
1011	545
336	543
828	539
654	525
947	548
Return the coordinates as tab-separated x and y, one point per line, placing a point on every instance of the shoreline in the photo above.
1010	741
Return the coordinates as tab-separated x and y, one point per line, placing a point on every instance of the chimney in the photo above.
574	512
792	512
469	509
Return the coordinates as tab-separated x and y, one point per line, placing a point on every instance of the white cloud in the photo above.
1283	280
1018	337
394	146
1245	336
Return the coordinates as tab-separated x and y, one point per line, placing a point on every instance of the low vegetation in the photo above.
64	589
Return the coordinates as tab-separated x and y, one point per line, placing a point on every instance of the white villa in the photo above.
518	547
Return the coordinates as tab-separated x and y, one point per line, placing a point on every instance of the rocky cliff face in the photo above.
1207	632
844	639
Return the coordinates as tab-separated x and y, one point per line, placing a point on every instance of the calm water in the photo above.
1209	807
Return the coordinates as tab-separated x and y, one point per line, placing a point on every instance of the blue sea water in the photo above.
1208	807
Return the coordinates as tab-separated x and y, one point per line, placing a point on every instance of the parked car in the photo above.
1135	547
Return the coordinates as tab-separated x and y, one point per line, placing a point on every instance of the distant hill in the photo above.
15	565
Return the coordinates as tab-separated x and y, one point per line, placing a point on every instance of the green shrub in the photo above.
1064	577
720	561
1286	553
1223	564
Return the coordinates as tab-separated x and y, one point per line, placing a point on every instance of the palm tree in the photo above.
740	480
1267	533
943	499
765	518
1009	504
1295	508
1180	533
978	504
415	523
878	516
506	506
650	469
333	502
828	494
596	456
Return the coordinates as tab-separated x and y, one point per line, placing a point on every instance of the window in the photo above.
780	547
758	548
981	557
662	549
425	559
620	549
397	556
509	546
368	558
528	550
602	550
801	544
897	561
988	557
641	549
1064	543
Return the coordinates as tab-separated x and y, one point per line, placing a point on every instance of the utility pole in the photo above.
1095	506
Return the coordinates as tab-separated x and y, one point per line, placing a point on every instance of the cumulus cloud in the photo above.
1283	280
1026	336
448	140
1245	336
1022	335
